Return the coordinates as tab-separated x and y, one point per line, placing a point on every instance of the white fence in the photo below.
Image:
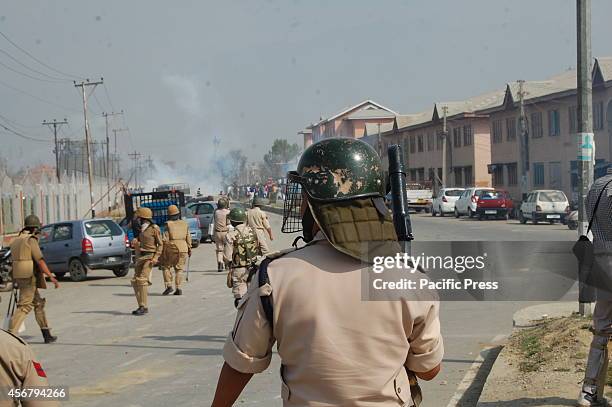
43	196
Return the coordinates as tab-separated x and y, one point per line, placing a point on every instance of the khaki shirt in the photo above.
25	252
335	349
230	237
257	219
221	220
177	232
151	243
18	369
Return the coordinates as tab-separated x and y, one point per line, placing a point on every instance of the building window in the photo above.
496	131
430	142
510	129
573	119
458	180
413	175
498	175
554	174
554	123
467	135
598	116
412	144
440	174
420	143
421	174
439	138
536	125
467	176
457	137
538	174
512	174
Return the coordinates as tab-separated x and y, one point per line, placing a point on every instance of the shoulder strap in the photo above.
266	301
596	206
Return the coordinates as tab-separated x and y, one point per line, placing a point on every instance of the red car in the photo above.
496	204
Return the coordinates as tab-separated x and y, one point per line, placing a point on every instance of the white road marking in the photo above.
131	362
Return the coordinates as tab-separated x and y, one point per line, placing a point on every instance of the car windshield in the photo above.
552	196
491	195
102	228
453	192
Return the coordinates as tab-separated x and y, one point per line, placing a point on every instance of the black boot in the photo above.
220	267
167	291
140	311
236	301
46	333
178	292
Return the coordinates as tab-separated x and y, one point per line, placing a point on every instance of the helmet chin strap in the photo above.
308	223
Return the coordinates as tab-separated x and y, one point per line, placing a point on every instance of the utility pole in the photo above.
116	173
444	145
379	143
83	86
523	142
216	142
149	162
135	156
586	141
55	124
108	160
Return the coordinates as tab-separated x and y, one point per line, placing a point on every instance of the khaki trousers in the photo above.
140	281
219	238
239	281
29	298
262	237
178	272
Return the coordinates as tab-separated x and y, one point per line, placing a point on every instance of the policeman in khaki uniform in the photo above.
19	369
149	246
240	251
259	221
177	233
335	348
29	270
221	223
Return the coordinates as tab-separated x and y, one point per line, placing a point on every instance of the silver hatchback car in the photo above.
77	246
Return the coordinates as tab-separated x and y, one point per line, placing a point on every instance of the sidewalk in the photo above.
543	360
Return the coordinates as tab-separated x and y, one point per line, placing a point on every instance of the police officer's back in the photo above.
335	349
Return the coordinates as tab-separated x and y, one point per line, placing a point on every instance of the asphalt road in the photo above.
172	356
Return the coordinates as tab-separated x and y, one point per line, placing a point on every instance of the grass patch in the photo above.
532	351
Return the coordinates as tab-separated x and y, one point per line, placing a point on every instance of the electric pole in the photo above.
108	160
523	142
444	146
83	86
135	156
116	173
586	141
55	124
379	143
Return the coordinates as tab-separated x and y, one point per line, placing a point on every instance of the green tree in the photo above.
280	153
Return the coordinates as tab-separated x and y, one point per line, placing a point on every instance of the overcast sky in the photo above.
251	71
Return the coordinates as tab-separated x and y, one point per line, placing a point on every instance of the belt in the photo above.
146	253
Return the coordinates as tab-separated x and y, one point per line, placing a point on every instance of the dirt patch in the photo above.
544	365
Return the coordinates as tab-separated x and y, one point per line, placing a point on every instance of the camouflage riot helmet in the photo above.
342	182
144	213
237	216
32	221
257	201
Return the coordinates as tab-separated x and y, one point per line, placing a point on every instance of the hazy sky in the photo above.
252	71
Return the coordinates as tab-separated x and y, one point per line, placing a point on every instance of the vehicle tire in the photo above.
480	216
78	272
427	210
552	222
456	213
522	218
533	219
61	274
121	271
470	213
441	213
195	244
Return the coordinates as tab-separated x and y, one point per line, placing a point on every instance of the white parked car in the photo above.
444	202
467	202
544	206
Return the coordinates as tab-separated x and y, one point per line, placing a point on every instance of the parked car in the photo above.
444	202
544	206
496	204
203	212
467	202
77	246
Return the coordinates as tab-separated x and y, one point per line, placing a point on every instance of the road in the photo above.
172	356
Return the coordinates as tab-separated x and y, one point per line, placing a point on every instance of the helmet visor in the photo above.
292	208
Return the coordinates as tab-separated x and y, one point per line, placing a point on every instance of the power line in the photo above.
38	98
38	60
108	96
32	69
28	75
23	136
